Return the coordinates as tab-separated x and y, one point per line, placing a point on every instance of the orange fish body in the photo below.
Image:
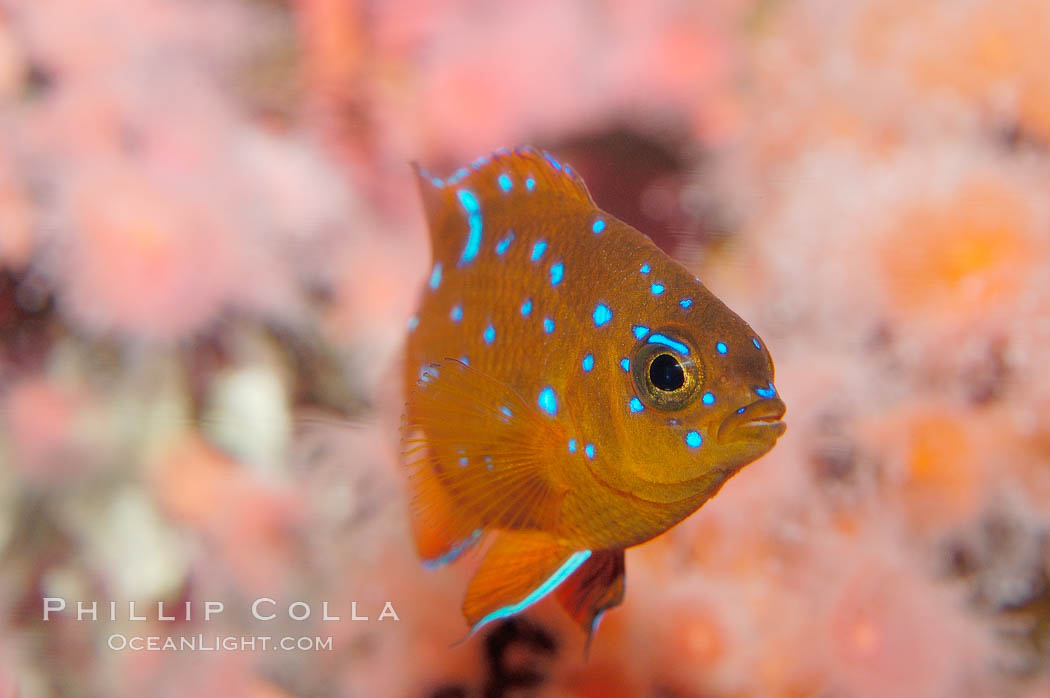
572	390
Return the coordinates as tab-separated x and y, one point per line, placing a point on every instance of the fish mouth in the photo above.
758	421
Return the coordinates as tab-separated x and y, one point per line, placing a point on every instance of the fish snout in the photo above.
758	421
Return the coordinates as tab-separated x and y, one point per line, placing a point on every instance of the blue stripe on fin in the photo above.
552	583
456	550
470	204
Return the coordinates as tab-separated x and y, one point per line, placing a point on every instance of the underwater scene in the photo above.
557	348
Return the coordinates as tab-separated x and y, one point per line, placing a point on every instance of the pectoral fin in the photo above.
480	457
519	569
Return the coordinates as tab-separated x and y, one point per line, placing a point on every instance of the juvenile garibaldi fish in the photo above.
571	390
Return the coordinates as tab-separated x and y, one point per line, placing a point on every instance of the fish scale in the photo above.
526	428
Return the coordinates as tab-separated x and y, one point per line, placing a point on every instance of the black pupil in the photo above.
666	373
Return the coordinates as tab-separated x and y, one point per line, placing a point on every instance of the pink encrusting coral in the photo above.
16	243
41	417
211	242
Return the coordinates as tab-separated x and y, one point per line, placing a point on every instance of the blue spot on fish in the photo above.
548	400
636	405
766	392
602	314
490	334
755	342
557	272
504	182
554	163
685	302
538	249
721	348
598	226
548	325
640	331
708	398
645	269
572	445
668	342
693	439
589	450
530	183
457	313
625	364
473	209
588	362
506	410
657	289
526	307
435	276
503	244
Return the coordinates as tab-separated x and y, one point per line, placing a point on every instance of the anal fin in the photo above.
519	569
594	588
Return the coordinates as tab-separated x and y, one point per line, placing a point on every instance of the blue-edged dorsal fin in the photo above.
492	196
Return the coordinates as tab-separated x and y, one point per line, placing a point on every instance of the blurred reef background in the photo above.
210	242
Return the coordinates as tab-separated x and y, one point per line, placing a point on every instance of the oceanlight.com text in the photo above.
201	642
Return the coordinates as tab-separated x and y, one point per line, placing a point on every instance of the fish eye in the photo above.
665	373
664	377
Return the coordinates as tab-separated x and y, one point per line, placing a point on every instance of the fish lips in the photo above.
759	421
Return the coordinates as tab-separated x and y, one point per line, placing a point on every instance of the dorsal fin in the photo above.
497	187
